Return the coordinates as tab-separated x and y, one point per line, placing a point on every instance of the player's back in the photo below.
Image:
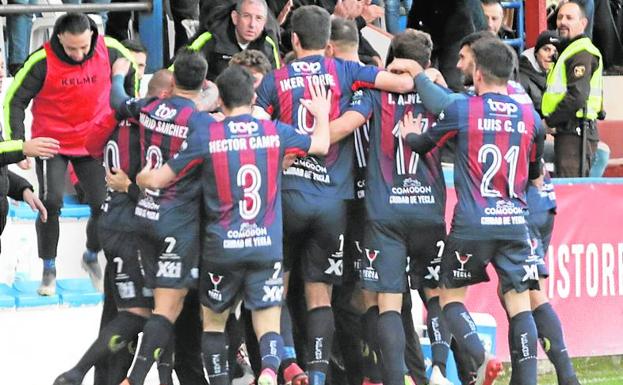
399	181
496	143
165	124
241	187
280	94
122	151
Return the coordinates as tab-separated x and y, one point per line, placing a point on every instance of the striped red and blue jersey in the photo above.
497	140
280	93
164	126
241	181
399	181
121	151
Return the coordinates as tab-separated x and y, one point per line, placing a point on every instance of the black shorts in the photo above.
126	273
388	245
314	229
465	262
541	226
259	284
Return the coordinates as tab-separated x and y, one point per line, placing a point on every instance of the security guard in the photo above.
244	30
573	99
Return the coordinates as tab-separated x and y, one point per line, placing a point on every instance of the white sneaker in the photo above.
48	283
436	378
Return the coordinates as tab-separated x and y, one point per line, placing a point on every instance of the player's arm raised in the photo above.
398	77
319	105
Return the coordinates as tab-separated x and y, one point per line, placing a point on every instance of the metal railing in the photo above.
9	9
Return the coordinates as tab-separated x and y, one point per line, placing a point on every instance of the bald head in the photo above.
161	84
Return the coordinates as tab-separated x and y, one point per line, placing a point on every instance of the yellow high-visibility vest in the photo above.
557	82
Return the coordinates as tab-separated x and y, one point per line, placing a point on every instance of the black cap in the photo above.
547	37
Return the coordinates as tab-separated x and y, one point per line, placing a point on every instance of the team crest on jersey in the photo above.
370	273
215	293
305	67
243	128
461	273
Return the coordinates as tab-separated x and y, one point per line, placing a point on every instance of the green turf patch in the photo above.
606	370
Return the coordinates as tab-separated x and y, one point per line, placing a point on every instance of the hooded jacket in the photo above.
532	78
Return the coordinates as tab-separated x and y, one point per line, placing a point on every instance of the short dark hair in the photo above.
414	45
475	36
235	86
312	25
494	59
252	59
580	3
344	33
189	69
74	23
134	45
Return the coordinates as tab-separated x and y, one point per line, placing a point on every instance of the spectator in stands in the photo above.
534	64
68	81
243	29
448	22
494	13
573	99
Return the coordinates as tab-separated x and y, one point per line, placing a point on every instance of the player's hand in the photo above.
44	147
408	125
35	204
372	12
142	179
400	66
24	164
435	75
320	103
348	9
288	160
283	15
117	180
121	66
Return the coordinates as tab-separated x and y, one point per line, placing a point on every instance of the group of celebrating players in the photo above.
332	169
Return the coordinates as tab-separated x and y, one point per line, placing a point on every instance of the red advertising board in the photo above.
585	261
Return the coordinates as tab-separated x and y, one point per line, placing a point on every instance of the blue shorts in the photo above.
540	226
314	229
259	284
126	273
170	251
465	262
387	244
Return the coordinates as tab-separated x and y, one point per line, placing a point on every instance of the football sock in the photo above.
156	335
214	349
320	330
371	354
524	342
166	363
271	349
49	263
114	337
391	340
463	328
289	353
438	334
550	334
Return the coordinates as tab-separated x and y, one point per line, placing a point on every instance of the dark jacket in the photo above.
30	78
531	77
221	44
11	185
